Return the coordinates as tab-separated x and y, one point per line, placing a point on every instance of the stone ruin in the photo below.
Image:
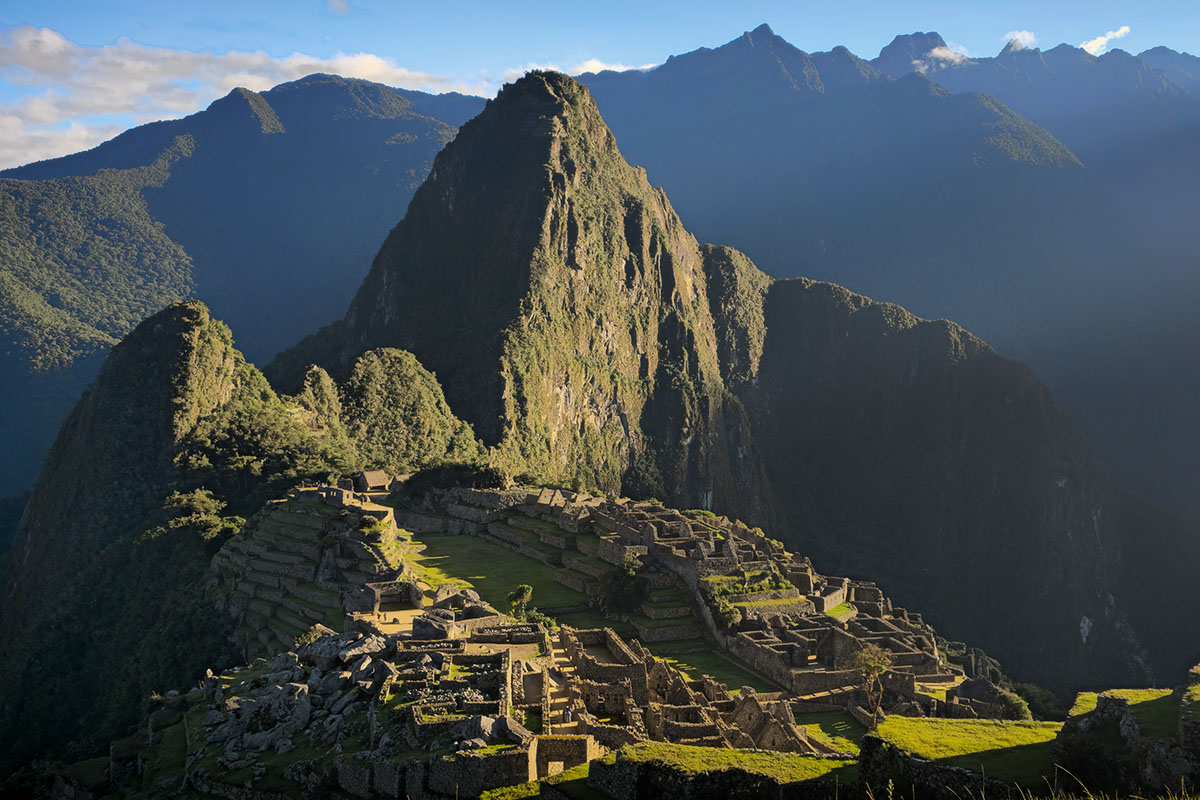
797	628
310	558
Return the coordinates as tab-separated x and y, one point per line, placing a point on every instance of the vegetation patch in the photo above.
783	767
1018	752
839	609
835	728
717	667
489	569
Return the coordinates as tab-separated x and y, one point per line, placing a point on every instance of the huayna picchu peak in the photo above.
559	499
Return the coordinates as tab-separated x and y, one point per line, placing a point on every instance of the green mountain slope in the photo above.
267	206
177	440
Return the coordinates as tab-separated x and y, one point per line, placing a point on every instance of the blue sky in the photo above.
73	73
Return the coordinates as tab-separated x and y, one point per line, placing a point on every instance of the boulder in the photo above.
477	727
367	645
515	732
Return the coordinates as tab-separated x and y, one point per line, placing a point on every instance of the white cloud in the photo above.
590	65
1099	45
958	48
1023	38
339	7
70	95
939	58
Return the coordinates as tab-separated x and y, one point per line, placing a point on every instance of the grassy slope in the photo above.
1011	751
783	767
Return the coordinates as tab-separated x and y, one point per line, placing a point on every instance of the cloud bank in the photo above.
591	65
72	97
1099	45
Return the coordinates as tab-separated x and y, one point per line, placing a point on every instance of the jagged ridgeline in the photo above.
590	341
176	441
561	303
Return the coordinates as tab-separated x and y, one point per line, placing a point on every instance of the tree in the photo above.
625	591
519	599
873	661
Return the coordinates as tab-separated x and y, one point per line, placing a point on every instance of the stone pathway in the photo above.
562	667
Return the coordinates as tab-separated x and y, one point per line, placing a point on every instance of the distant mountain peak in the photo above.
906	51
1013	46
762	31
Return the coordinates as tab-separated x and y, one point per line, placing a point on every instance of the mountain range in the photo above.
542	312
266	206
1040	199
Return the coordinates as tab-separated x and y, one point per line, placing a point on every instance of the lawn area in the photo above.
716	666
835	728
1156	710
783	767
839	609
1085	703
1018	752
489	569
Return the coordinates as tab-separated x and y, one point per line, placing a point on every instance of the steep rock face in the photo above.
559	300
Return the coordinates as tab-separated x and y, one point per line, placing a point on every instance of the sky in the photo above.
74	73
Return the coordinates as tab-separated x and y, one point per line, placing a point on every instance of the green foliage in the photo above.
625	590
537	617
518	599
872	661
1015	707
727	614
1043	703
308	637
82	261
396	415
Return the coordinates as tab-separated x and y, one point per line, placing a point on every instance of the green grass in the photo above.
835	728
839	609
786	601
518	792
783	767
1018	752
1085	703
716	666
573	783
489	569
1156	710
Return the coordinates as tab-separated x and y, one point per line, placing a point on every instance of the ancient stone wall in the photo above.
469	774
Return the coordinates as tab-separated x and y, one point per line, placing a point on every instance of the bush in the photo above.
1015	706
